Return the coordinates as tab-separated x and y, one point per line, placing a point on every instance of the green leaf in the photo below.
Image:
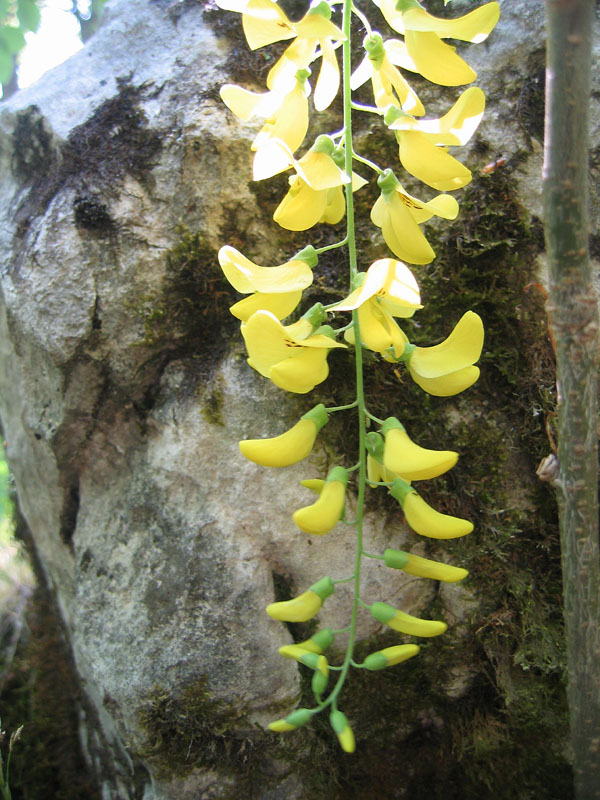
12	38
28	14
6	66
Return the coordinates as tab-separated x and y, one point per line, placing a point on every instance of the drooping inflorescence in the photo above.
294	355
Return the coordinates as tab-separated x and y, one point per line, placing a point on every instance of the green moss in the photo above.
189	314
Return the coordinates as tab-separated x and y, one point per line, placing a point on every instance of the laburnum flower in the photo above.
324	514
284	108
406	623
390	656
318	643
388	289
263	21
315	34
294	356
291	446
275	289
305	605
410	461
316	193
389	86
422	143
376	471
294	720
399	214
423	567
424	519
339	723
423	34
447	368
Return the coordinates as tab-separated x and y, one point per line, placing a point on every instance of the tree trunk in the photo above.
573	312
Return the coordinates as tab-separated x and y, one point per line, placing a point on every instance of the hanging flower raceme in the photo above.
305	606
424	519
388	289
284	108
399	215
314	30
447	368
326	512
315	193
291	446
380	65
406	623
423	34
423	567
422	143
274	289
294	356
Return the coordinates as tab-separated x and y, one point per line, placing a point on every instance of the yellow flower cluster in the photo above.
293	354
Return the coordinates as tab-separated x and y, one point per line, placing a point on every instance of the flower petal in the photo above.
431	164
301	208
301	373
264	23
245	276
447	385
400	230
437	61
472	27
461	349
280	305
328	81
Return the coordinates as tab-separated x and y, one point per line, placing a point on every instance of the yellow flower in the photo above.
398	214
406	623
274	289
343	731
388	289
390	656
284	108
314	30
422	143
325	513
447	368
291	446
423	567
292	356
410	461
424	519
263	21
305	606
389	87
315	193
423	34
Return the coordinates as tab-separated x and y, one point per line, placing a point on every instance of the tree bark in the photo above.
573	312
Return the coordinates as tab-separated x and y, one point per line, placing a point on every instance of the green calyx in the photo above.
326	330
311	660
339	156
337	474
308	254
319	683
320	7
375	661
375	444
358	280
316	315
397	559
324	144
318	415
390	424
399	489
323	588
373	44
406	5
303	75
409	349
387	182
393	113
299	717
323	638
339	721
383	612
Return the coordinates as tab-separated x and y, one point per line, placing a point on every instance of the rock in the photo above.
125	392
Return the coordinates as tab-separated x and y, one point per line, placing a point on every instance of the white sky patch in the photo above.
57	39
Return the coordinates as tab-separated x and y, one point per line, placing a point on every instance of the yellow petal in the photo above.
400	230
246	104
473	27
447	385
362	73
301	373
297	55
461	349
264	23
457	125
320	171
272	157
245	276
431	164
324	514
328	81
266	341
412	462
437	61
426	521
409	100
335	207
393	283
301	208
443	205
316	26
290	122
280	305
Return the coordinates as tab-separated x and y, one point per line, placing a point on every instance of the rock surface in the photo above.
122	401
